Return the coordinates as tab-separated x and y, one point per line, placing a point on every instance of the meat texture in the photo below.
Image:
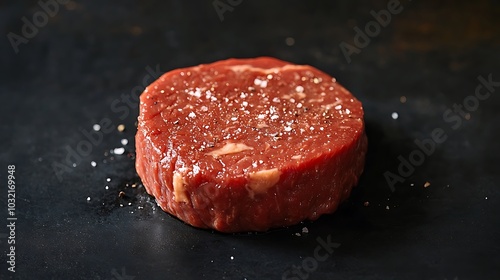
249	144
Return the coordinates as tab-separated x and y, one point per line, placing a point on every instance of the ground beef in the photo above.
249	144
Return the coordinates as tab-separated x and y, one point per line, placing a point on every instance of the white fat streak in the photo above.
246	67
229	148
261	181
179	183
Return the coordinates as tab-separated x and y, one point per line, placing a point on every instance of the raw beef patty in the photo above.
249	144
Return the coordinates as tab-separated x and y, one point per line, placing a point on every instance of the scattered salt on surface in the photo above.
119	151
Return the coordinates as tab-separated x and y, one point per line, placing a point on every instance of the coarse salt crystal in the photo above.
96	127
261	83
124	141
192	115
93	163
299	89
394	116
196	93
119	151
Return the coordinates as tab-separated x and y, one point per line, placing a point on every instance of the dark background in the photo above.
89	53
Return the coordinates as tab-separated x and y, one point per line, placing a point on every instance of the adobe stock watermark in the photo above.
92	138
372	29
48	9
11	219
121	276
310	264
454	117
223	6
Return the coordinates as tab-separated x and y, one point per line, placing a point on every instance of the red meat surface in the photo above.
249	144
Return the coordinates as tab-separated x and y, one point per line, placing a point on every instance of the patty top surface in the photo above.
247	117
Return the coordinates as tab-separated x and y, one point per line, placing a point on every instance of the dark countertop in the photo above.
85	58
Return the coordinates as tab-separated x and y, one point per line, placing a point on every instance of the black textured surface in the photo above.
73	72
